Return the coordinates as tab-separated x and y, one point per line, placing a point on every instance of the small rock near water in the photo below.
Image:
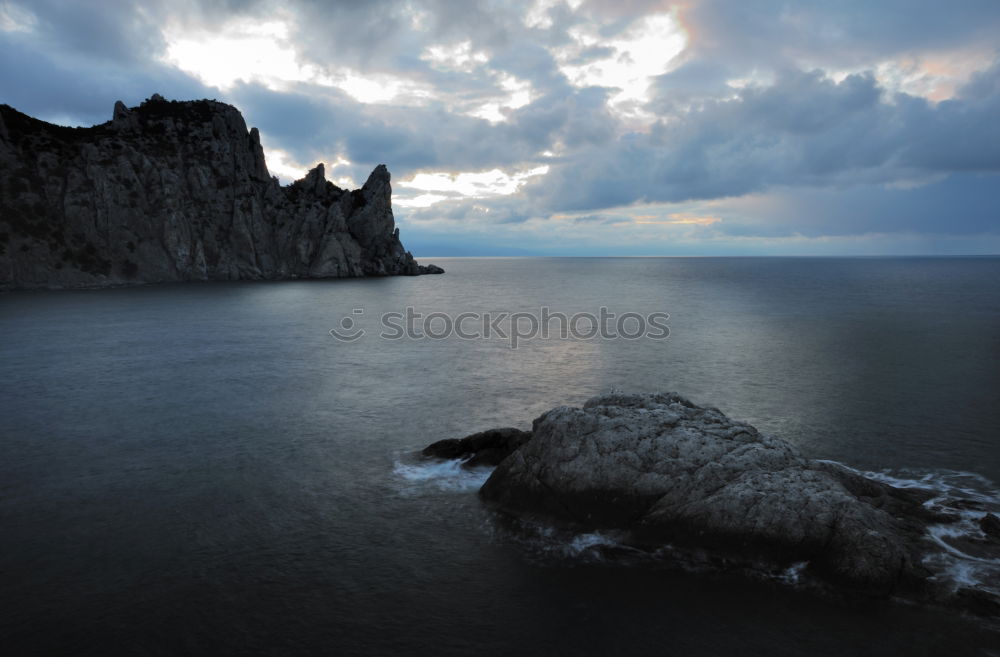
990	525
486	448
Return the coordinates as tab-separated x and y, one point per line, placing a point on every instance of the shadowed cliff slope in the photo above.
177	191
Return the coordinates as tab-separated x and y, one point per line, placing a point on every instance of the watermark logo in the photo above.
514	328
348	331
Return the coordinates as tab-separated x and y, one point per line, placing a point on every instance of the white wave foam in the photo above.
794	573
548	542
447	476
941	533
590	544
966	496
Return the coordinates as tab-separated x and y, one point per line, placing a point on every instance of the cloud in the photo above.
805	129
835	35
959	204
57	87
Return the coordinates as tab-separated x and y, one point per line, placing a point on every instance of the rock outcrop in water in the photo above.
178	191
485	448
670	472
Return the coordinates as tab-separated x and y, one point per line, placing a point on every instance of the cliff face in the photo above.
177	191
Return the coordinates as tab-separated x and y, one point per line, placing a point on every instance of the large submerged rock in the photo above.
668	471
178	191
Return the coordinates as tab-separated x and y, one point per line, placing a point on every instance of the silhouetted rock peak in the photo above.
380	175
315	180
120	111
173	191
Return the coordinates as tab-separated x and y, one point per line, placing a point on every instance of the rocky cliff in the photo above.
177	191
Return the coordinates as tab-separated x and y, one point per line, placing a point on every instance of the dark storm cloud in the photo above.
957	205
77	58
119	31
960	204
695	78
383	34
312	122
501	210
836	33
732	40
803	130
109	31
39	82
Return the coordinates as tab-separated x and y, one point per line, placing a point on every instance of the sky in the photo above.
576	127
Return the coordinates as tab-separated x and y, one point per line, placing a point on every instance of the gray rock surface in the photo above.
484	448
669	471
990	526
177	191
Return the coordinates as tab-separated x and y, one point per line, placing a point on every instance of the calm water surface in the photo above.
203	470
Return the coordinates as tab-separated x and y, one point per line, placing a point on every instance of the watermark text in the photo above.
513	327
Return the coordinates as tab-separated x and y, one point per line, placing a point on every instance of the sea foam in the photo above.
447	476
966	496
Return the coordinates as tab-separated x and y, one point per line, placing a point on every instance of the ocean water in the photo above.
204	469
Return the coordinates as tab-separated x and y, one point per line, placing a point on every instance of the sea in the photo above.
232	468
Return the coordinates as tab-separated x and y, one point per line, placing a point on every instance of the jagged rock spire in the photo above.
315	180
121	111
379	175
